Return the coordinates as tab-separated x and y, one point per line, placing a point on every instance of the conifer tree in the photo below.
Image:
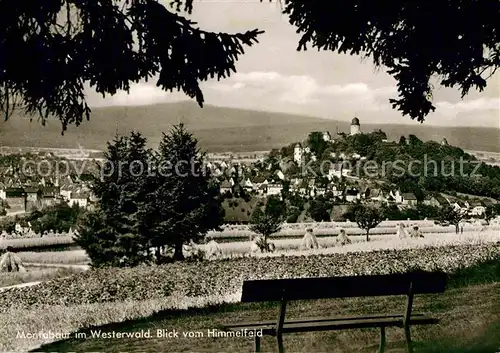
111	235
183	201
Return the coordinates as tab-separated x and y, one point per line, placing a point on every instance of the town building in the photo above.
409	199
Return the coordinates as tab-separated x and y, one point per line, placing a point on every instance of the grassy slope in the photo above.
218	128
466	326
455	306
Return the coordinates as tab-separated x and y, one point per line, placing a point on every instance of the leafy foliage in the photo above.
60	218
367	217
411	39
490	213
316	143
275	207
450	216
76	43
100	241
420	212
320	210
416	166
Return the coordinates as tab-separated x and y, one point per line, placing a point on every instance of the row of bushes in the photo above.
225	277
59	218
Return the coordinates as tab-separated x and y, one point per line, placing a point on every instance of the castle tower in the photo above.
444	142
355	127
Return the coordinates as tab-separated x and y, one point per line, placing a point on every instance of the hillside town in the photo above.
249	180
19	196
278	174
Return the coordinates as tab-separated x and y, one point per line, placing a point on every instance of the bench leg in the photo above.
257	344
279	338
409	347
382	340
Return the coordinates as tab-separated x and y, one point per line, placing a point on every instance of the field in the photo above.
284	246
22	243
377	242
104	296
35	274
235	233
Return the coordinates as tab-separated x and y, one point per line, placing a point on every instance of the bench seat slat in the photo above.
334	324
321	319
266	290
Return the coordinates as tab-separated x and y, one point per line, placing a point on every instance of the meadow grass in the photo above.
466	326
35	274
459	313
469	311
70	257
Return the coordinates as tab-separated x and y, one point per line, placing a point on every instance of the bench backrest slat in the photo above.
343	287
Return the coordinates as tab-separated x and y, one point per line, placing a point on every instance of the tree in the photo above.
71	43
265	224
99	240
275	207
490	213
414	141
367	218
293	213
320	210
316	143
60	217
361	143
112	235
145	37
399	37
451	216
183	201
378	135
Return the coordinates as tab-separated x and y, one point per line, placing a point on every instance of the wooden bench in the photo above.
285	290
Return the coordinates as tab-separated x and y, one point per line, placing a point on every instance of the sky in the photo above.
274	76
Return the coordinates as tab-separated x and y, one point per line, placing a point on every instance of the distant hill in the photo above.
218	128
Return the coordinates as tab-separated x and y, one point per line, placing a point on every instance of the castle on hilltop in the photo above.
355	130
299	151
